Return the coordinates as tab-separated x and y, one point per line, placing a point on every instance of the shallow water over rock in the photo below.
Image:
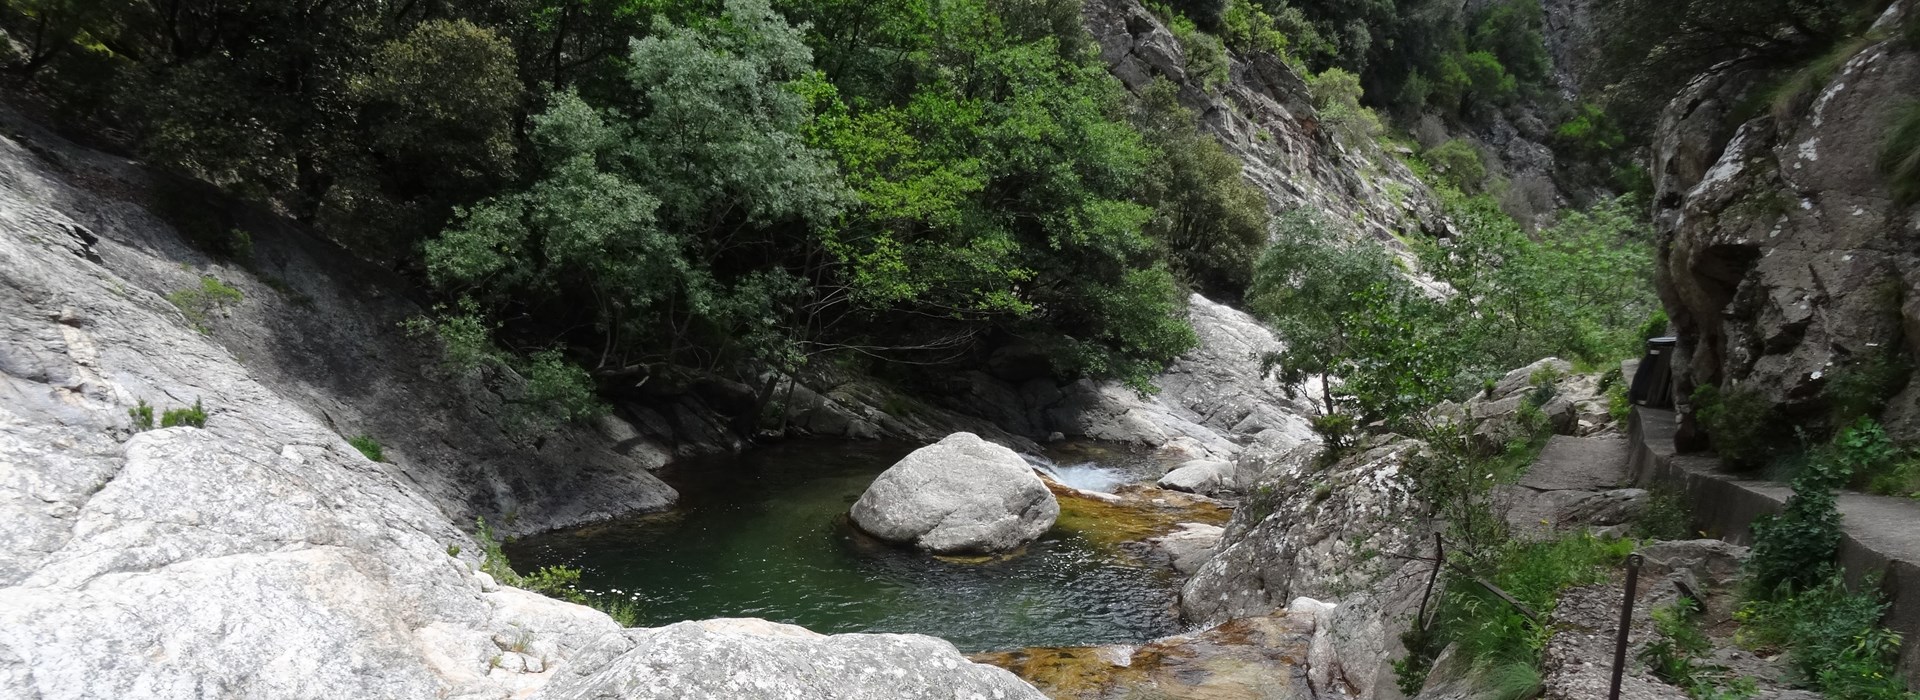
765	535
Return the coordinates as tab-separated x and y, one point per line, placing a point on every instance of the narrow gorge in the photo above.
974	349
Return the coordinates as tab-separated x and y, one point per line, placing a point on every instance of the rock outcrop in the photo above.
1783	254
1211	402
962	495
760	660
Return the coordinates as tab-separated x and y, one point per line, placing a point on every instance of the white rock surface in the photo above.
760	660
1212	401
959	495
1190	546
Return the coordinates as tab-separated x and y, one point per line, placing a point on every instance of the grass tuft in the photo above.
1900	155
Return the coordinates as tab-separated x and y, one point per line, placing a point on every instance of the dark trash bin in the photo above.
1653	383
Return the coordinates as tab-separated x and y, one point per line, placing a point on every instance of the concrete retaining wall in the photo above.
1882	533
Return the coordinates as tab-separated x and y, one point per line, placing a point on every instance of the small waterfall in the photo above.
1086	476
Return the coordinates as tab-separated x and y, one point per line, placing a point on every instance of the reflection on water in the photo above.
765	535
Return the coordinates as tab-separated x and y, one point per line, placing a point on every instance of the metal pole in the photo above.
1626	623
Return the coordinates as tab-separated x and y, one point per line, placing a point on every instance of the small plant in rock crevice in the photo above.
142	415
198	303
368	447
192	416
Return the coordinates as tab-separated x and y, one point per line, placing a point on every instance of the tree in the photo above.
1210	219
661	224
1350	319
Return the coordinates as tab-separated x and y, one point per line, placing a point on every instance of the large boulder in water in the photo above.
751	659
961	495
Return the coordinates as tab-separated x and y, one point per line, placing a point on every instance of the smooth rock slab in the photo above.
961	495
750	659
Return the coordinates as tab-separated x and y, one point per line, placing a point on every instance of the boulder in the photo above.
1190	546
961	495
1200	476
760	660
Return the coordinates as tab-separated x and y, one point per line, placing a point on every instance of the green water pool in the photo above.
765	535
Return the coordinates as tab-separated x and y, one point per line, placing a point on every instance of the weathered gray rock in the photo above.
259	557
1190	546
1212	401
1783	253
760	660
1200	476
960	495
1314	532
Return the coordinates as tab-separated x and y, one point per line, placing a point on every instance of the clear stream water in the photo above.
765	535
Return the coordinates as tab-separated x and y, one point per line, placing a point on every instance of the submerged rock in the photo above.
758	660
961	495
1258	657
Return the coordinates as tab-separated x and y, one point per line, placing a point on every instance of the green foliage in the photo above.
1900	154
1862	386
197	303
554	581
1745	428
1795	548
1832	636
1797	92
1563	291
1654	46
1489	632
1336	430
1590	131
557	392
1336	93
142	415
192	416
1666	516
1205	55
368	447
1458	163
1345	312
1211	221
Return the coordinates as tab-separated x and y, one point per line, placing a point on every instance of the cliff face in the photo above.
1783	254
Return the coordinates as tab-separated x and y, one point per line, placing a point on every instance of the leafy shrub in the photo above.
1900	155
1678	642
1590	131
557	392
1795	548
560	582
1833	639
1656	325
1336	429
368	447
1491	634
142	415
197	303
1336	93
1744	427
1861	387
1459	163
1206	56
193	416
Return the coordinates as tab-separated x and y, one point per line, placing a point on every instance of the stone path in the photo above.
1575	482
